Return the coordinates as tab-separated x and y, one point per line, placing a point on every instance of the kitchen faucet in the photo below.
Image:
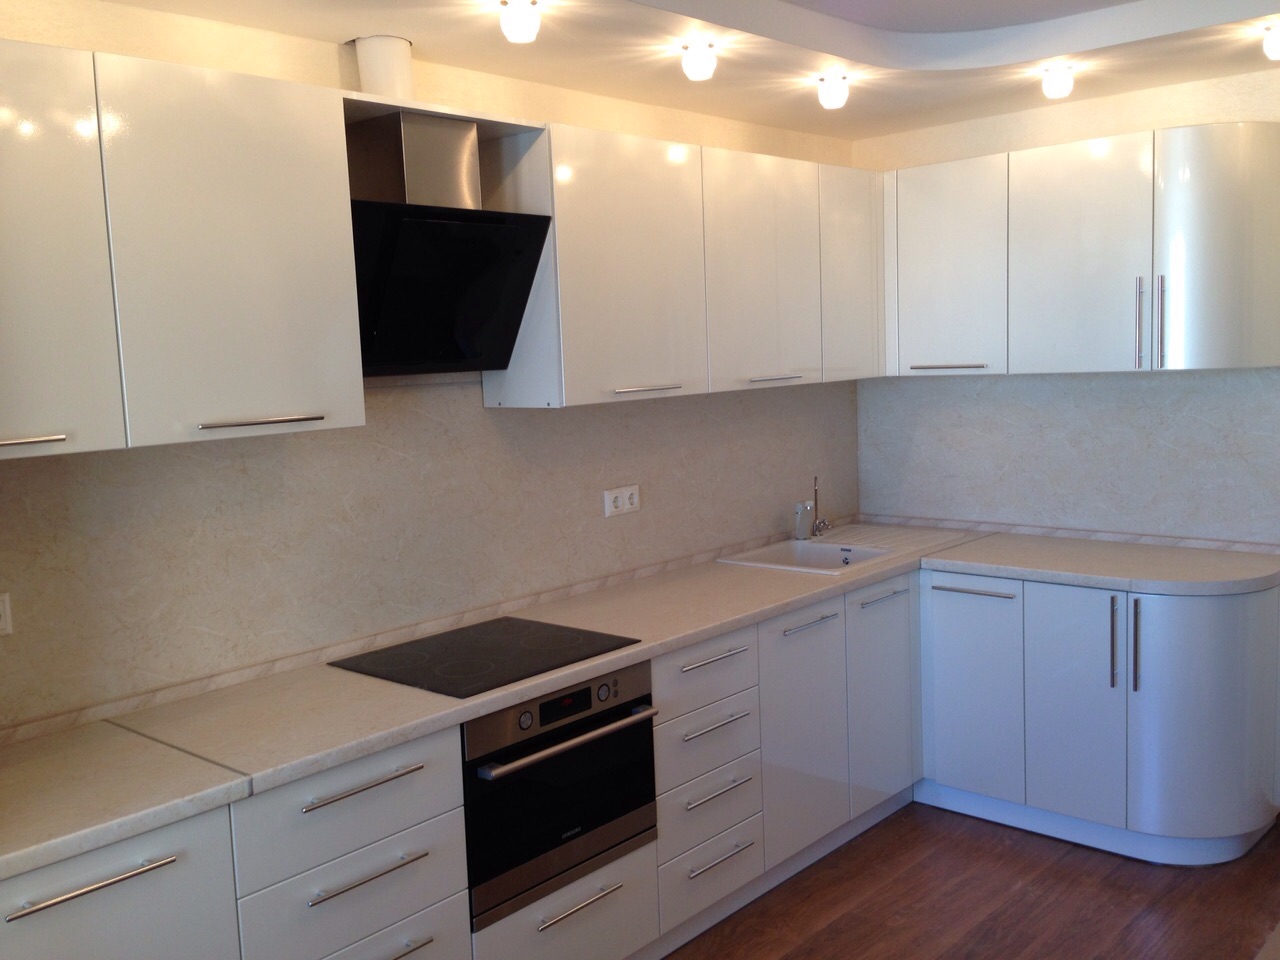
819	526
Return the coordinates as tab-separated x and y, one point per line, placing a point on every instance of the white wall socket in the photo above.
622	500
6	616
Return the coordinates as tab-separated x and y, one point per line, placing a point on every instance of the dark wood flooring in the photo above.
928	884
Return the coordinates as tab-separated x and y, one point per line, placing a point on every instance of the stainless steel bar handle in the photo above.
781	376
1115	608
978	593
887	596
948	366
414	949
265	422
716	726
1159	350
496	771
811	623
695	804
737	849
665	386
604	892
1137	637
716	659
26	441
1137	350
322	897
317	804
28	910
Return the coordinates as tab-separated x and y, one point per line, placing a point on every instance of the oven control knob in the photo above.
526	720
603	693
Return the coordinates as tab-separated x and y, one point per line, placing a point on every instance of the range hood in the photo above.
442	284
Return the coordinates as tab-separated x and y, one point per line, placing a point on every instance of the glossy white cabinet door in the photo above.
1075	645
628	215
1080	256
953	267
764	302
231	236
881	707
804	740
1217	232
59	363
973	668
1202	707
852	345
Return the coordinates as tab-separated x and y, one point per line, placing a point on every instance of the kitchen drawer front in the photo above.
383	884
687	679
719	799
707	873
275	840
610	928
189	902
442	932
692	745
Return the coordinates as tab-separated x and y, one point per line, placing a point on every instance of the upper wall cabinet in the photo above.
953	267
231	238
852	346
1080	255
764	303
1217	230
59	368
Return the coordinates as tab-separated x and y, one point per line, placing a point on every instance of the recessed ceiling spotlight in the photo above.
833	89
699	58
1057	80
520	20
1271	41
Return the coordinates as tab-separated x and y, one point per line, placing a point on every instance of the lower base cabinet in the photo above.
710	871
607	915
445	928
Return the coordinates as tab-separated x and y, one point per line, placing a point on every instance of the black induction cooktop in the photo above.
480	657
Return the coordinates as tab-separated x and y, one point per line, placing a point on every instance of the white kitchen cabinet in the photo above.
804	734
1217	229
445	928
1076	652
763	273
974	685
710	871
952	267
881	700
59	362
849	209
231	238
1080	256
165	893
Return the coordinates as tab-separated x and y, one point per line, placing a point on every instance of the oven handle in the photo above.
496	771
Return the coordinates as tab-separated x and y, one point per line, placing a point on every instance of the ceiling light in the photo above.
520	20
699	59
833	90
1058	80
1271	41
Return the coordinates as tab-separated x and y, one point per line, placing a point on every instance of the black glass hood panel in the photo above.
441	289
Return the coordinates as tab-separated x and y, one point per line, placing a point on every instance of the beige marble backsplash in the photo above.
1187	455
140	570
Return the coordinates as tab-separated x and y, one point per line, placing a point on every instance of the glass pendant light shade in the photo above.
833	90
520	20
1058	80
699	59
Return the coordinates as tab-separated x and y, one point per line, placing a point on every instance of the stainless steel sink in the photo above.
806	556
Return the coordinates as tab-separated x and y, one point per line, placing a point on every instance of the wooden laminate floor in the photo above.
928	884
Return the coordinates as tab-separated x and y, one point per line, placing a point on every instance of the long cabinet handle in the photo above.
317	804
887	596
716	726
716	659
737	849
264	422
496	771
665	386
811	623
1137	346
1159	349
27	441
695	804
414	948
322	897
948	366
582	906
1115	608
775	379
978	593
27	911
1137	639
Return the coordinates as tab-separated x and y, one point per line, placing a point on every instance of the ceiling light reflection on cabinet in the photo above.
1058	80
699	58
520	20
1271	41
677	153
833	90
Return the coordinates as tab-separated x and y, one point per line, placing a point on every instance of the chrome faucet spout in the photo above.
819	526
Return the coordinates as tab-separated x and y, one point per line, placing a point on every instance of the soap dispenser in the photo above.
804	519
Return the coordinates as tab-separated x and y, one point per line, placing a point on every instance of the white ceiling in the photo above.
963	58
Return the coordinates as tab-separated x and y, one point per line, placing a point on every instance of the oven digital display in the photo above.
550	711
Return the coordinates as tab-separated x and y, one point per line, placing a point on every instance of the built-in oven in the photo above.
556	787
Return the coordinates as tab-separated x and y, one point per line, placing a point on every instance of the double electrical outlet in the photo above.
622	500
